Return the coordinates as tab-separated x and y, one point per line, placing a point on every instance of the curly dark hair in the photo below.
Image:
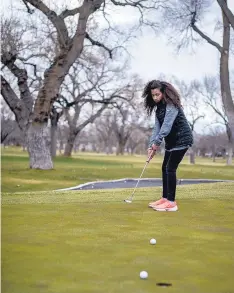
170	94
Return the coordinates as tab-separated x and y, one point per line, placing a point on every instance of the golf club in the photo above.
130	198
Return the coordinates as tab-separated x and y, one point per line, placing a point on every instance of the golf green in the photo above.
91	241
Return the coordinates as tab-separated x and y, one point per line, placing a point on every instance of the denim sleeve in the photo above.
155	131
170	116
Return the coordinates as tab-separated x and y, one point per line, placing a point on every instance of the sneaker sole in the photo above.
152	206
174	209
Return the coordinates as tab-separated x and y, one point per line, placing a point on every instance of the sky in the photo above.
157	57
152	56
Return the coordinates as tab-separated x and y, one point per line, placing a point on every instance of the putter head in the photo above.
128	201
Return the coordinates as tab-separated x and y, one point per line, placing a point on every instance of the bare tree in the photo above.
69	48
55	115
191	101
86	100
137	140
217	145
210	90
12	35
123	127
104	132
62	133
93	85
213	143
124	121
183	18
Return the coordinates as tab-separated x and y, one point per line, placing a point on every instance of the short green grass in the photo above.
91	241
82	168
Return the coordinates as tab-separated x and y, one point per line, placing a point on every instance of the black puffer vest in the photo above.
180	134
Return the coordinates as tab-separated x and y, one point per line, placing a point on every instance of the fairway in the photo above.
90	241
87	167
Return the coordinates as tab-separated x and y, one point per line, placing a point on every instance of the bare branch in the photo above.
204	36
30	11
32	56
21	74
6	131
227	11
68	116
69	12
218	112
56	20
139	4
16	105
8	94
34	67
81	95
91	118
96	43
195	120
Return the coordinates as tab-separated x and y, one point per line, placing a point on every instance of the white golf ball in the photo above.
152	241
143	275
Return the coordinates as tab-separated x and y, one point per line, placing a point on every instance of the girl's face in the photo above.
156	95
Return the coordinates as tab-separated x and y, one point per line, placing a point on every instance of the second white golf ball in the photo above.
152	241
143	275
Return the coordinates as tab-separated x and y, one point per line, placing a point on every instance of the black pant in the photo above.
170	164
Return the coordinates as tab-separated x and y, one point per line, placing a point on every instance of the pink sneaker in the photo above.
166	207
158	202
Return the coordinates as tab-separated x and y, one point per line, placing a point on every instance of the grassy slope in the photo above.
16	176
91	241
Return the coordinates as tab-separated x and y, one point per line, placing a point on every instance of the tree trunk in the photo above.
213	157
76	147
48	93
39	146
230	144
213	153
230	153
120	148
109	146
54	118
24	148
106	149
227	11
94	147
224	153
192	156
53	145
224	77
60	147
69	144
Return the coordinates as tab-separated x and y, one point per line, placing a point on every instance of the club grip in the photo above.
149	158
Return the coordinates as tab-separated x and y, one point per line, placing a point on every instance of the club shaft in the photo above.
139	178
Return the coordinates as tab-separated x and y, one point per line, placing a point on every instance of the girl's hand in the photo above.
151	154
155	147
151	151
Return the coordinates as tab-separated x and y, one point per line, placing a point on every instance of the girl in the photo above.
172	126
